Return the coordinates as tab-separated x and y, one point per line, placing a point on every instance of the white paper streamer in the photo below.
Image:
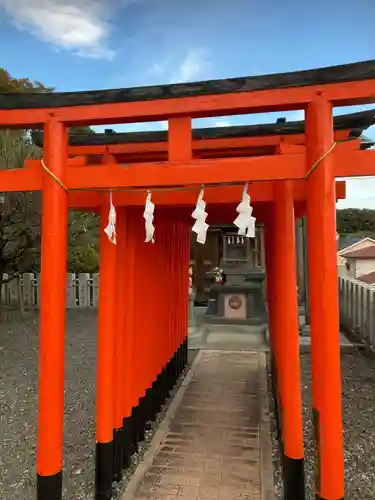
199	214
148	215
110	230
244	221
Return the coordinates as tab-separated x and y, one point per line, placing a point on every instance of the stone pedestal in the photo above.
192	321
238	303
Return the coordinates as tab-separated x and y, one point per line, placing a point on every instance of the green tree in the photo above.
20	233
10	84
356	221
19	212
83	242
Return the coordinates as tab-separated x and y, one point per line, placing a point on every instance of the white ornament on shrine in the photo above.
110	229
200	215
245	221
148	216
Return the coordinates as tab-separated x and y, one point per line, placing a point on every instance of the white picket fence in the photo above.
81	291
357	308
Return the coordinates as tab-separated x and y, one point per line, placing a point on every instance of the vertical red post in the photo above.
158	322
166	366
52	315
134	381
180	139
174	354
185	286
148	300
168	361
182	328
270	253
271	306
163	316
323	289
151	301
179	149
176	302
119	344
138	325
286	325
128	287
105	369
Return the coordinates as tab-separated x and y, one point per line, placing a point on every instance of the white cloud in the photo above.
192	67
80	26
157	69
173	67
296	116
359	193
221	123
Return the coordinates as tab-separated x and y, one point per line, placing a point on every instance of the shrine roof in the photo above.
355	122
359	71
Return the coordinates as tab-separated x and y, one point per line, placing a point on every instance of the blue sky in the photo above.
92	44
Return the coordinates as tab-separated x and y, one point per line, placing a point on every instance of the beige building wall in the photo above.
360	267
341	261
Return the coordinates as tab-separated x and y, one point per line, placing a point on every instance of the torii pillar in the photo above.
324	309
52	314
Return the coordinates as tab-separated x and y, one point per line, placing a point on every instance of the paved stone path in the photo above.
213	444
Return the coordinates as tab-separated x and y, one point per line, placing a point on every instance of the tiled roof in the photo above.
368	278
347	243
362	253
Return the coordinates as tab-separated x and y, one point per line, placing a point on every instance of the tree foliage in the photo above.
20	232
356	221
19	212
83	242
10	84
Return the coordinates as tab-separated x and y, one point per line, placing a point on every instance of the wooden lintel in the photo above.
356	164
216	146
195	172
286	148
260	193
22	179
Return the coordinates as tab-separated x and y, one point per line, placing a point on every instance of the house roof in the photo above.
362	253
368	278
351	248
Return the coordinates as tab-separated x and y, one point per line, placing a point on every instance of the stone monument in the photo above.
237	290
191	300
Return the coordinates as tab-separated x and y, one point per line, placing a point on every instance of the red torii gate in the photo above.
160	344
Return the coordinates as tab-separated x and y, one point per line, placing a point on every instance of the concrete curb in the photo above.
266	466
305	344
159	435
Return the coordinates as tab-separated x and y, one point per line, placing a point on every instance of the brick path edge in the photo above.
147	460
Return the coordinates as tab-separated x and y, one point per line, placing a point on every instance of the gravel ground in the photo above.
18	404
18	375
358	388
